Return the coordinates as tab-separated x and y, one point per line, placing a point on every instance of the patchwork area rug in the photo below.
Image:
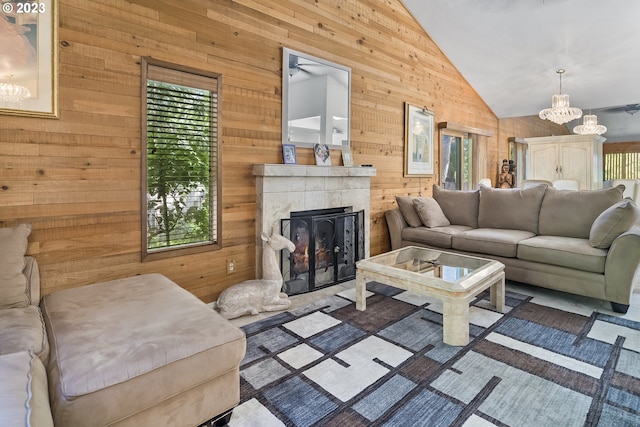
328	364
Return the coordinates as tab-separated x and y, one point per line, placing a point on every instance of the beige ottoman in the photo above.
139	351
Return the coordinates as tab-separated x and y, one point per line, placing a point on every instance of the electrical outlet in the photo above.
231	266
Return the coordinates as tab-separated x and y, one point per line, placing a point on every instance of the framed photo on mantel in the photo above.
418	141
289	154
323	155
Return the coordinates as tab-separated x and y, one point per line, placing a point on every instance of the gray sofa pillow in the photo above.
405	203
430	213
510	208
14	291
611	223
572	213
460	207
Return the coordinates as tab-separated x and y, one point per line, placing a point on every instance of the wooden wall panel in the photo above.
76	179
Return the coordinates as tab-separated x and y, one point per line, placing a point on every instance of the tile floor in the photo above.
567	302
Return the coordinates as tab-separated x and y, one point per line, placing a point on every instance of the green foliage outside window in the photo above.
179	199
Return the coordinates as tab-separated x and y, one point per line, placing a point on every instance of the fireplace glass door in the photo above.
327	248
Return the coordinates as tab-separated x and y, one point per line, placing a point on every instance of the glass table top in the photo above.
426	262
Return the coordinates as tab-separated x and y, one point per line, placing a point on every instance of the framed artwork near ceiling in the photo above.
418	141
28	48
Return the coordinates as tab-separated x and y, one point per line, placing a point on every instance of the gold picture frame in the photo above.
419	154
29	74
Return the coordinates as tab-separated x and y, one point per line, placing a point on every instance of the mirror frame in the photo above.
286	52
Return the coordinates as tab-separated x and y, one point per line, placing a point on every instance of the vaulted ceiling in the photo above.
509	51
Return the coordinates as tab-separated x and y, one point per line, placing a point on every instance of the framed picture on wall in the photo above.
418	141
289	154
28	64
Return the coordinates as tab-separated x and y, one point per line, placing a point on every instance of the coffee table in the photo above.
454	279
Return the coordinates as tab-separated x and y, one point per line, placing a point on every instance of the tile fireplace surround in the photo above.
281	189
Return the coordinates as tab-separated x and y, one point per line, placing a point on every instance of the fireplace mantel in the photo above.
276	170
281	189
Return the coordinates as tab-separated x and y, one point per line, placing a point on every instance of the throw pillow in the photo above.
13	283
611	223
405	203
430	213
460	207
510	208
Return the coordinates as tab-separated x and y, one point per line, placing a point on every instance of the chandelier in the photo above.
590	126
13	94
560	111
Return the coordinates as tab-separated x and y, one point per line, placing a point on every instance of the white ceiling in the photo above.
509	51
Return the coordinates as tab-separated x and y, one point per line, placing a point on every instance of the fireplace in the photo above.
328	243
282	189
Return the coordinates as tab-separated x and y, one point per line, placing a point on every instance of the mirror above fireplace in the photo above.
316	101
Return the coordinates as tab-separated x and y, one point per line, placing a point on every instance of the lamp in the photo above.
560	111
13	94
590	126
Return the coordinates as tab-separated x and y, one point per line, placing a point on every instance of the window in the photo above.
463	156
621	166
180	179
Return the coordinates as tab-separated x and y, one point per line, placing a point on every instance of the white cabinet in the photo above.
574	157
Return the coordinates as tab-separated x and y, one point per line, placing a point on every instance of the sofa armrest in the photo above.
623	261
32	273
395	223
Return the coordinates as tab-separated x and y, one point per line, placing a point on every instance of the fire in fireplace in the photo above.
328	244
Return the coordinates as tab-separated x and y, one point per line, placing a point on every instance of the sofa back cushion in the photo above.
572	213
14	291
460	207
510	208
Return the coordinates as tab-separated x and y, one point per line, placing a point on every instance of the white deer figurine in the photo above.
255	296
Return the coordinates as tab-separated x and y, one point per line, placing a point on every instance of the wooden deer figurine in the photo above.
255	296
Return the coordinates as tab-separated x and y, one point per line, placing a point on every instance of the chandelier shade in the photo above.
13	94
590	126
560	112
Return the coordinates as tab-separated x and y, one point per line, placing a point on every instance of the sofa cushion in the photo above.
570	252
24	399
405	204
572	213
460	207
438	236
430	212
511	208
142	336
22	328
611	223
14	290
490	241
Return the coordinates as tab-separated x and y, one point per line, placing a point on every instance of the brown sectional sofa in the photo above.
139	351
580	242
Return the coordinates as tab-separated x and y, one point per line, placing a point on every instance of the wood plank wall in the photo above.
76	179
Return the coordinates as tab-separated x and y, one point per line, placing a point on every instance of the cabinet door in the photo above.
575	161
543	163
